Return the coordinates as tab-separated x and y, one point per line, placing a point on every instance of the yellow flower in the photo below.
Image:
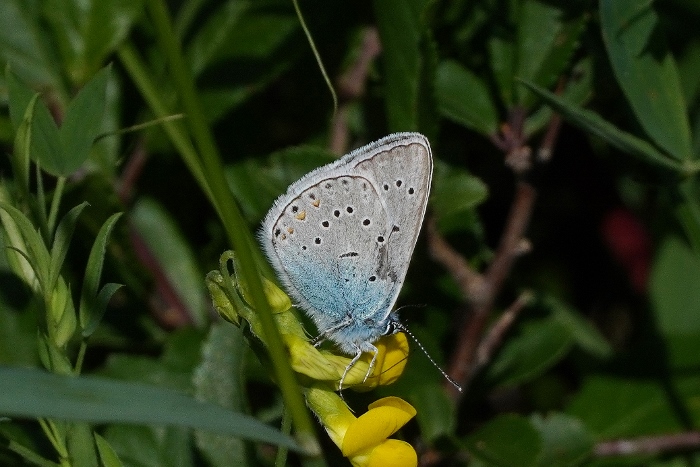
322	365
363	440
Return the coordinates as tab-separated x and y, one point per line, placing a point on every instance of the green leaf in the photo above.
219	379
61	241
106	25
507	440
45	144
36	254
87	32
593	123
99	307
26	44
545	43
646	71
455	191
581	331
33	393
17	327
81	444
437	415
540	345
21	152
89	300
108	457
143	446
675	299
82	124
173	254
578	91
400	25
19	97
464	98
502	57
613	407
565	440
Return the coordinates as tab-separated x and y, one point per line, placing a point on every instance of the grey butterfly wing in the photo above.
328	244
401	169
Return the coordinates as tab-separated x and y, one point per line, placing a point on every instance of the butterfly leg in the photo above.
347	369
375	351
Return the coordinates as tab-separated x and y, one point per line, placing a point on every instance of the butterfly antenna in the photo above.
447	377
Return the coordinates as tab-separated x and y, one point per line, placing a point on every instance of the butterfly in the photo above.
342	236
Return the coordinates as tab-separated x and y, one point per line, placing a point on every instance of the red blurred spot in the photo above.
629	243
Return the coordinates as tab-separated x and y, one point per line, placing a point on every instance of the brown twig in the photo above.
351	86
132	171
463	359
481	290
648	444
493	339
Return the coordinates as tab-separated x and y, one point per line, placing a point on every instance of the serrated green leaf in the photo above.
593	123
82	123
565	440
61	241
464	98
646	71
108	457
93	272
507	440
33	393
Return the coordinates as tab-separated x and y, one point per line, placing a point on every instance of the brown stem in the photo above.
351	86
493	339
649	444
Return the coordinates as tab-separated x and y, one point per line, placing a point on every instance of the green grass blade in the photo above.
33	393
